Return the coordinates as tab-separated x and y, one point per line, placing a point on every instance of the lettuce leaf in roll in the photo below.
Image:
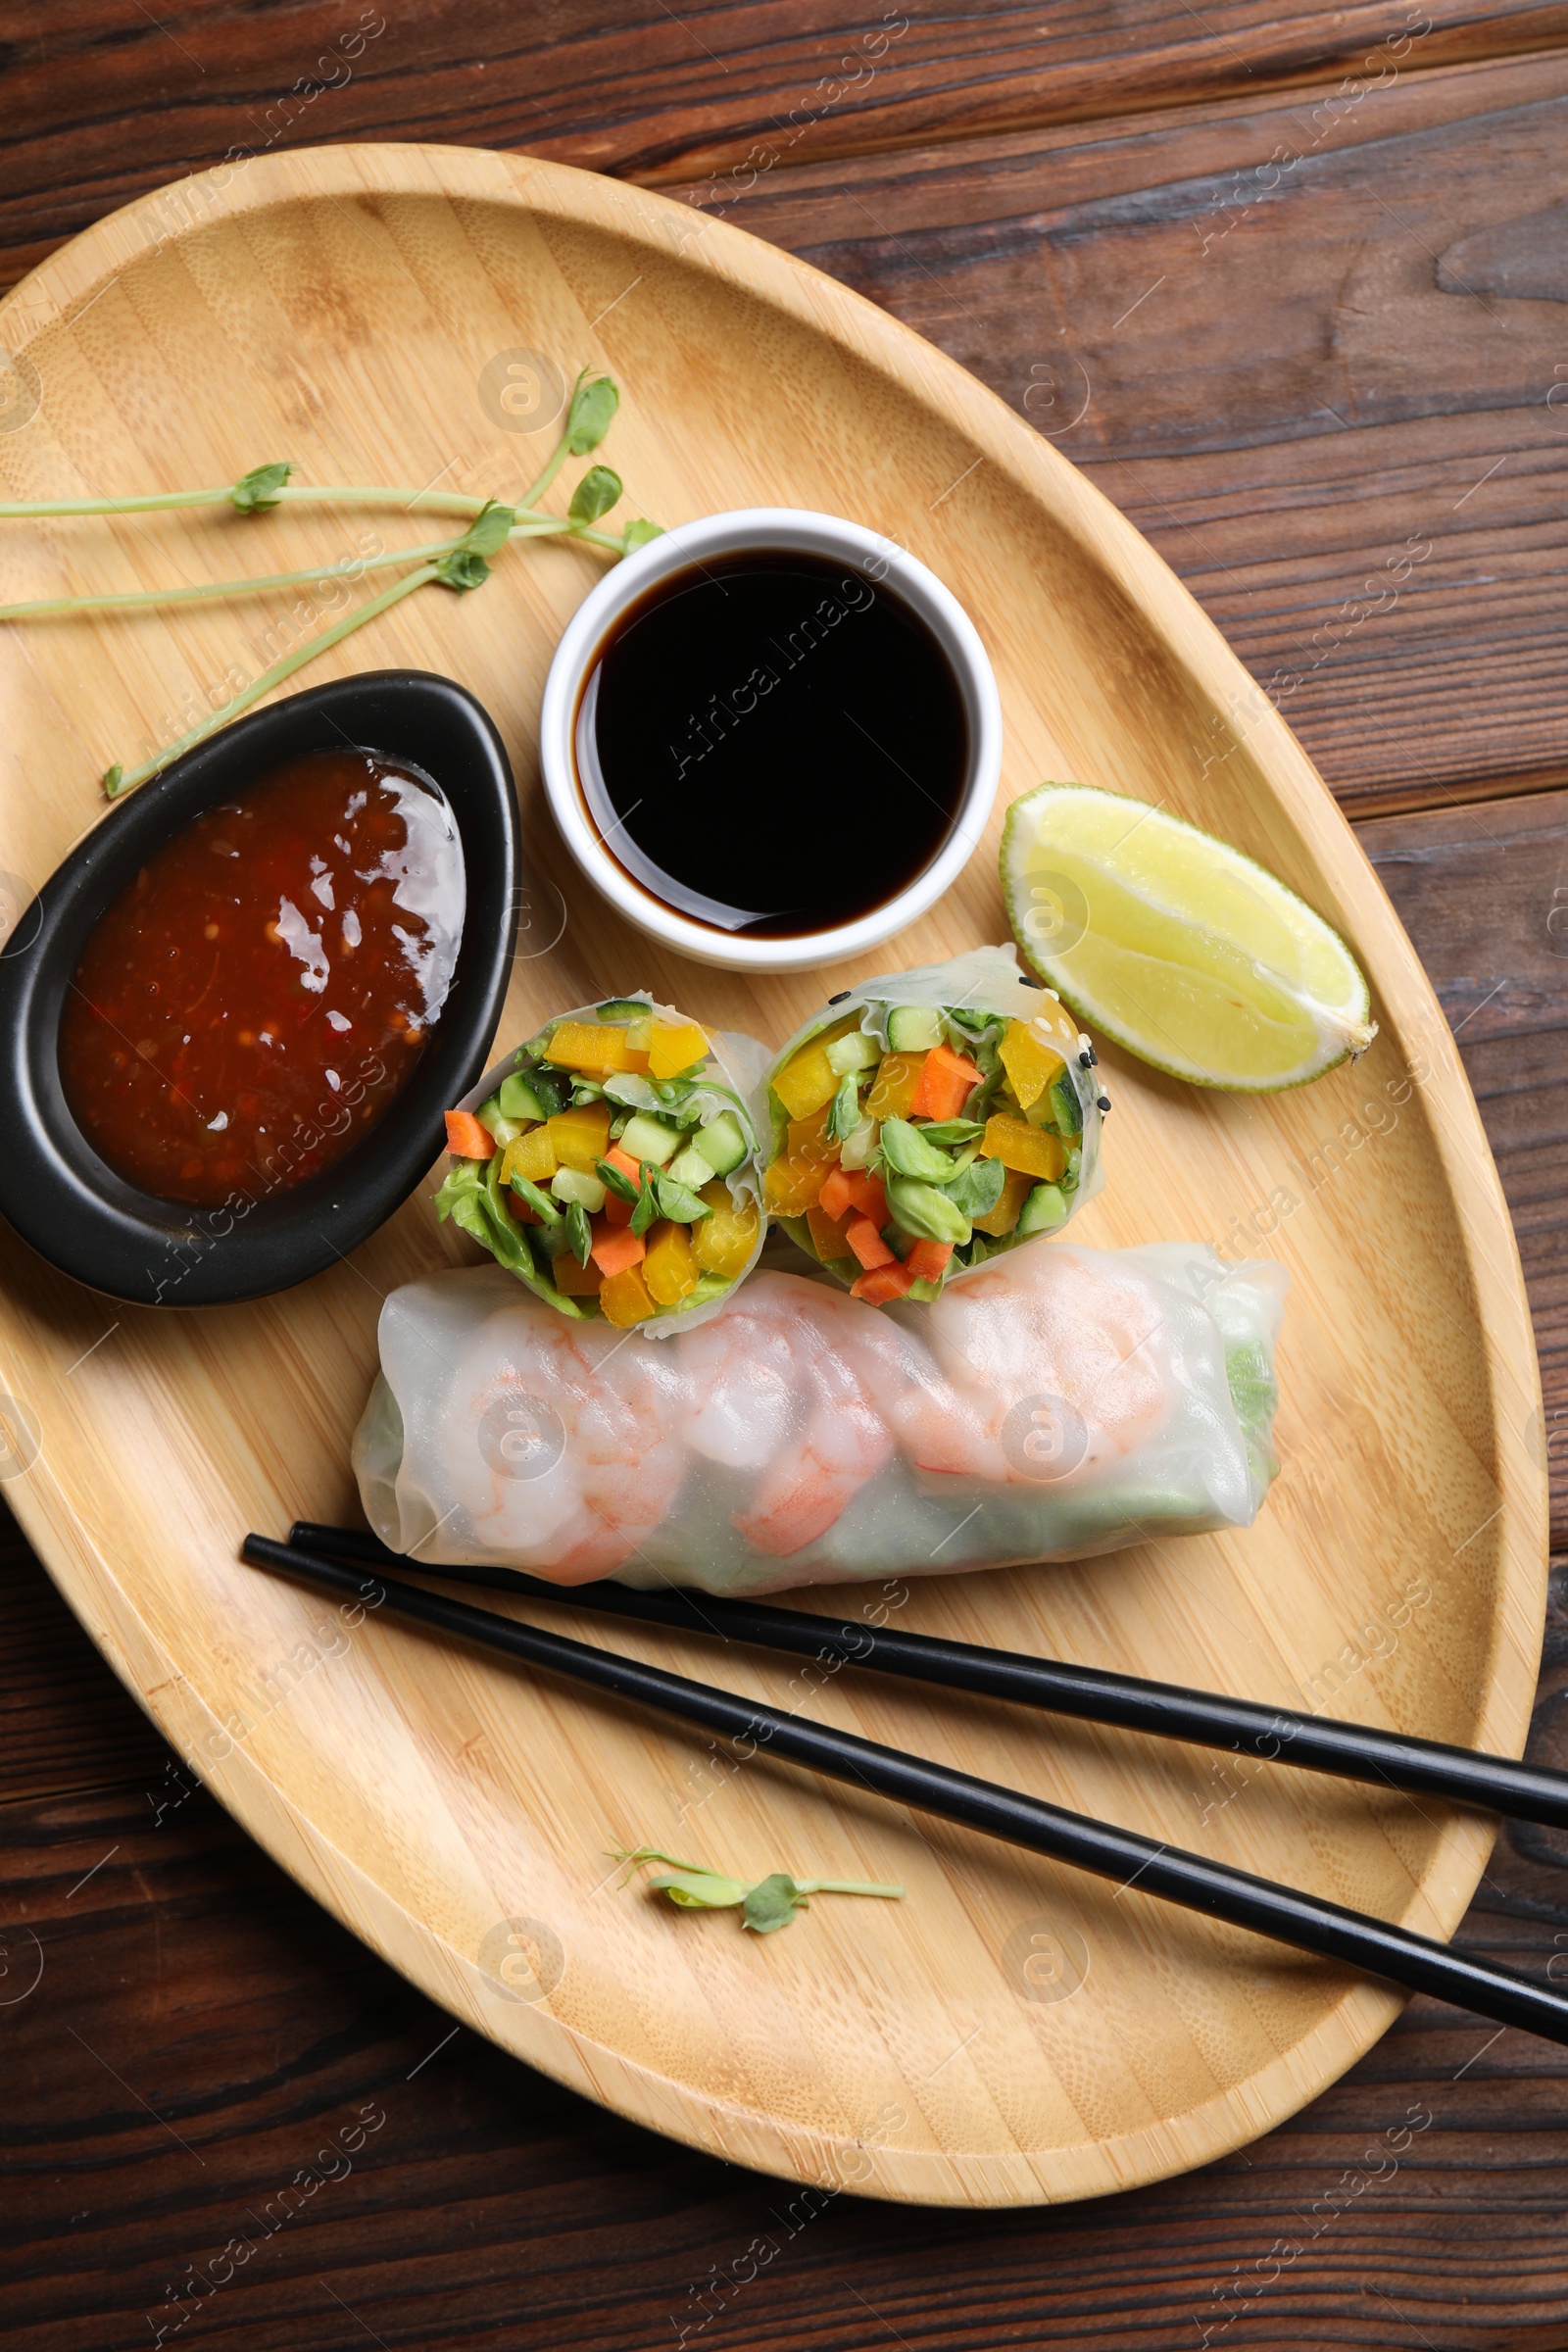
928	1121
610	1163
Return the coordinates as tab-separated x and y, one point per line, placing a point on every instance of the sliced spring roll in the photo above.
611	1164
927	1121
1069	1401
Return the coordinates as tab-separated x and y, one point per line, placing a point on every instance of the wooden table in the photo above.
1290	285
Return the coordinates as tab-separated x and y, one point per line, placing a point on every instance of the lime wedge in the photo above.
1176	946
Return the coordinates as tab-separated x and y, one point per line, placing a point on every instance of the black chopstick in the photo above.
1306	1922
1205	1719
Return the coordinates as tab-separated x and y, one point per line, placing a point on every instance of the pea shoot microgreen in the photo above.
764	1904
461	563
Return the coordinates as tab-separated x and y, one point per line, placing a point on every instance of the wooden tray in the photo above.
340	307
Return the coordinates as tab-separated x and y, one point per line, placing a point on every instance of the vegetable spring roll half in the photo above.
929	1120
1064	1402
611	1164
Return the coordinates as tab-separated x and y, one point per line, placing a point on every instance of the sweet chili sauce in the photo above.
255	1000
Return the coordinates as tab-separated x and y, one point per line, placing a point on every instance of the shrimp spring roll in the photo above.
928	1121
1066	1402
610	1163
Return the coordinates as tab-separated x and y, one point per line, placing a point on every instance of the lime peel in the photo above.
1176	946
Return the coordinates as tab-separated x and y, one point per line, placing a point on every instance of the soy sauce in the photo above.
772	744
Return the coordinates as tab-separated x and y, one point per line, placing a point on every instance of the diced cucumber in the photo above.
722	1143
915	1028
491	1116
575	1184
624	1008
860	1144
857	1052
1065	1108
519	1100
644	1138
690	1167
1042	1211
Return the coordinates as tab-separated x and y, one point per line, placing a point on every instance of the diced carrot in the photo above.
623	1297
466	1137
836	1196
614	1247
827	1237
868	1244
573	1280
879	1284
618	1211
927	1261
947	1081
868	1196
517	1208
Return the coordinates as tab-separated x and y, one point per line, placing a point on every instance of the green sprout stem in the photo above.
117	781
459	564
541	526
141	599
434	502
845	1886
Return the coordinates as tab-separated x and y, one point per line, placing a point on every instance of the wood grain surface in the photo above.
600	2234
405	1784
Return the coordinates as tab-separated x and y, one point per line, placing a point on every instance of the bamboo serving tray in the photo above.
1013	2033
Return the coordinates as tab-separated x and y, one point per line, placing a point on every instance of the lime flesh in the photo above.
1175	945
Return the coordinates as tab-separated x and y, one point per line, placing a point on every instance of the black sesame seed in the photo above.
1105	1103
840	998
1030	981
1084	1060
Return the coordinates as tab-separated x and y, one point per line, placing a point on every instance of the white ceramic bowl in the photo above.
857	549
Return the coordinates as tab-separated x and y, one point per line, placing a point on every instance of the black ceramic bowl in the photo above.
54	1188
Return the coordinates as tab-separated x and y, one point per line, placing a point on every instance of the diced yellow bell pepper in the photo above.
674	1046
669	1269
792	1185
580	1137
893	1087
808	1081
809	1140
624	1298
1030	1065
596	1051
532	1155
1029	1149
723	1241
826	1238
574	1281
1001	1219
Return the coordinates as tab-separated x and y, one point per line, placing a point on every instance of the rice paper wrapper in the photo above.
731	1077
992	983
1064	1402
